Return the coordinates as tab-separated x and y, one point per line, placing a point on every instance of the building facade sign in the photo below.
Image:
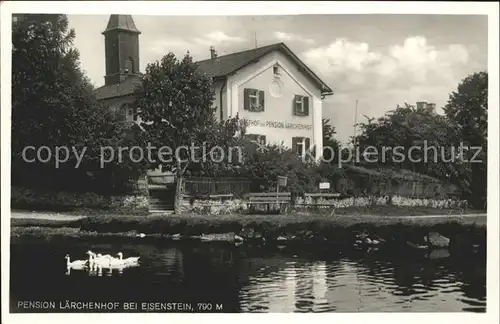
277	124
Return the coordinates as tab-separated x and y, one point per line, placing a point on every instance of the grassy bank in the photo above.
376	215
293	227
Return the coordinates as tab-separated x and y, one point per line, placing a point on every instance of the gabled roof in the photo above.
227	64
121	22
221	66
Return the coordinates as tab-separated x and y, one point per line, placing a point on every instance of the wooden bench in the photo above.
214	196
282	200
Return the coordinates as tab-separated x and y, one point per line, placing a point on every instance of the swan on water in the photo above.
114	262
77	264
98	256
127	260
100	260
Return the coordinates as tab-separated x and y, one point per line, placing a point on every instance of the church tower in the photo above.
121	39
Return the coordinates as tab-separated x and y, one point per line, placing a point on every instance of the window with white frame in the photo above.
257	138
130	112
276	70
300	145
253	97
254	100
301	105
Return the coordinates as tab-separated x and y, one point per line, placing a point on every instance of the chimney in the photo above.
213	53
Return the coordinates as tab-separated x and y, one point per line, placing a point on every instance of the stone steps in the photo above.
161	201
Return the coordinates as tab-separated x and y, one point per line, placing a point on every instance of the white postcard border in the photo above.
258	8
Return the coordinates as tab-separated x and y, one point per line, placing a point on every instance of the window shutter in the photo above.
294	104
294	143
307	143
246	99
135	113
306	106
262	100
262	139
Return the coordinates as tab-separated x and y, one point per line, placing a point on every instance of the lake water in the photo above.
245	279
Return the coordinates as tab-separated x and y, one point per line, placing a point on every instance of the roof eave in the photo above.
121	29
326	93
114	96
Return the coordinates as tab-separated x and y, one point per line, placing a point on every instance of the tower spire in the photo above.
122	23
122	48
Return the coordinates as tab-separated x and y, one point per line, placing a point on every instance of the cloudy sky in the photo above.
379	60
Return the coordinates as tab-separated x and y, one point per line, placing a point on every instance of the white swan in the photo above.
115	263
98	256
101	260
128	260
105	256
77	264
108	261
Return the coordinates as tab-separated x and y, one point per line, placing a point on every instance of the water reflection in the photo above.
258	280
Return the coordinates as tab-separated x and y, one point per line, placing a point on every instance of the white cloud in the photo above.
217	37
222	37
341	55
402	65
197	46
385	77
163	46
287	37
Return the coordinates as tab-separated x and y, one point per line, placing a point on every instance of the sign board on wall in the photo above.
324	185
277	124
282	181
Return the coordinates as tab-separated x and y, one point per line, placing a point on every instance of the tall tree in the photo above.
176	113
414	139
331	146
53	105
412	130
467	110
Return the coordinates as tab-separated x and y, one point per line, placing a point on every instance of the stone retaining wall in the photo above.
22	198
219	206
213	206
380	201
